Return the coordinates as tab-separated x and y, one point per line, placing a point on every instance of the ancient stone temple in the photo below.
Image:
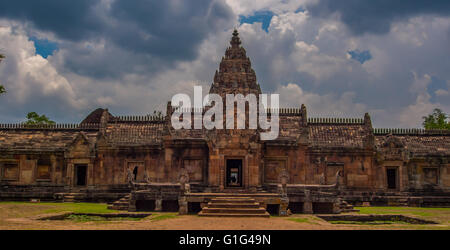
316	165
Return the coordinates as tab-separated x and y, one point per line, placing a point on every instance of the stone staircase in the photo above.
121	204
233	206
70	197
345	207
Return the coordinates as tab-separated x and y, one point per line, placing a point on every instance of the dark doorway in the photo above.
322	207
391	174
273	209
170	206
194	207
145	205
135	173
296	207
81	174
234	173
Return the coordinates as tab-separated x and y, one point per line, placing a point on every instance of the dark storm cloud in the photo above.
138	36
171	29
69	19
376	16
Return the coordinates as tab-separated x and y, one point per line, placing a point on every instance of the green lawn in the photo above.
18	208
419	211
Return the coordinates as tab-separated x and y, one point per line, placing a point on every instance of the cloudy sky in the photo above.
341	58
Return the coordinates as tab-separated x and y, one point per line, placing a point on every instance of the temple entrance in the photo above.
391	174
81	175
234	173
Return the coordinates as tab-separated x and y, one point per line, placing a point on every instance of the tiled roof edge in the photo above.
59	126
410	131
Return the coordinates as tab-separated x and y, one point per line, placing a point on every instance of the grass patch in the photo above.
21	209
300	220
88	218
303	220
163	217
420	211
381	222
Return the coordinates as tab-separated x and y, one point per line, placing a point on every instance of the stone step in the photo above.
120	203
234	210
220	200
264	215
233	205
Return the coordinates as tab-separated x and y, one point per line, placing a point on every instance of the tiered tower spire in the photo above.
235	74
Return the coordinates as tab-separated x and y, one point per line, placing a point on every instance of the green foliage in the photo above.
35	119
436	120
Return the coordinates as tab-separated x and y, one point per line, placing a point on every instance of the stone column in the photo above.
336	206
132	203
283	206
158	205
222	167
307	204
183	204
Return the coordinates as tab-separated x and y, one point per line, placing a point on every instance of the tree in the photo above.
436	120
2	89
35	119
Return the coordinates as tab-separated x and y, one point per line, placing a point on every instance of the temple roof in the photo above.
419	145
338	135
134	133
40	140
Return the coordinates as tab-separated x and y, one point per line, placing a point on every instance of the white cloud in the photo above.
305	58
30	79
328	105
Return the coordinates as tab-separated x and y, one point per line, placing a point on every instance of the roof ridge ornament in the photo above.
235	40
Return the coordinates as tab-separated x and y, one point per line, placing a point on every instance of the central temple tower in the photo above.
234	159
235	74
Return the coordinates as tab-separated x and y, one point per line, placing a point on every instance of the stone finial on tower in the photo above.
216	77
367	121
235	40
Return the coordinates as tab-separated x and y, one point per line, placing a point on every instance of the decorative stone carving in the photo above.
283	179
130	178
184	181
146	178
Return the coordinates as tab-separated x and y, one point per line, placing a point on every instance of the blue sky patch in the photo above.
360	56
436	84
44	47
263	17
300	9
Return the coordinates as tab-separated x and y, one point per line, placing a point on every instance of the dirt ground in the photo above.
14	215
